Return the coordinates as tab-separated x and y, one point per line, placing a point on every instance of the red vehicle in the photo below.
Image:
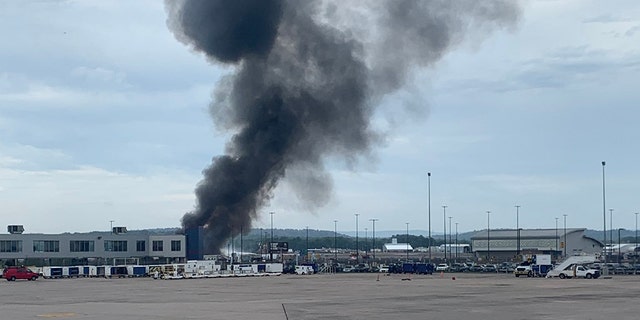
13	273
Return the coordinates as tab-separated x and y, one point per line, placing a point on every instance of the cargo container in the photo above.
137	271
407	267
52	272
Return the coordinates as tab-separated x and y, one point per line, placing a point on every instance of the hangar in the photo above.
504	244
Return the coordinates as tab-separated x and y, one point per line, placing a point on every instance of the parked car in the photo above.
476	268
13	273
506	267
489	268
458	267
442	267
348	269
383	268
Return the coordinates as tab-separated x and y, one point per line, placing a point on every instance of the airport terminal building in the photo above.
503	244
91	248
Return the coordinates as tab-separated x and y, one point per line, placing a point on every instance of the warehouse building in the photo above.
503	244
118	246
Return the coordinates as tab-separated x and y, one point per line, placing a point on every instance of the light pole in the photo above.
429	206
271	251
556	236
335	241
306	255
364	247
611	234
604	216
444	233
635	249
357	247
374	239
449	239
456	260
488	236
407	241
518	228
565	235
619	254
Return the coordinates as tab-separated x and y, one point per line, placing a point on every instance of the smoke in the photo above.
307	76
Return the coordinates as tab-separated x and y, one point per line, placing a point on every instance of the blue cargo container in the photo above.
138	271
407	267
74	271
423	268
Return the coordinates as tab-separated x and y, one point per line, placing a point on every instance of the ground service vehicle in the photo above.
442	267
523	271
579	271
13	273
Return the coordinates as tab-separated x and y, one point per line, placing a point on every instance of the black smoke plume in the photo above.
307	76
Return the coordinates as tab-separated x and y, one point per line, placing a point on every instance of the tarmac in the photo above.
324	296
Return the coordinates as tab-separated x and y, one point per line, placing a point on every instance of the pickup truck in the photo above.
581	272
523	271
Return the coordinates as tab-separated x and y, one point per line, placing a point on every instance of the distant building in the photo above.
455	248
394	246
503	243
91	248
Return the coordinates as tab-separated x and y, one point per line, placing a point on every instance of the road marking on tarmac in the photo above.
58	315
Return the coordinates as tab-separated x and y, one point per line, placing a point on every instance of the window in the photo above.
175	245
141	245
11	246
157	245
46	246
115	245
81	246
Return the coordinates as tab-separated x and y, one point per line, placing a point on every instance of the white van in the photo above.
304	270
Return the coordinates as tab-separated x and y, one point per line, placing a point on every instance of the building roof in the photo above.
525	233
397	246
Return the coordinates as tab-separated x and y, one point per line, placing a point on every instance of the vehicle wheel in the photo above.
562	276
12	278
34	278
589	276
530	274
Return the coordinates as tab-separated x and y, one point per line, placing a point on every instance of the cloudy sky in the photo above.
104	116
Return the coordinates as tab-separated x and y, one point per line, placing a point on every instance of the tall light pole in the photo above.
407	241
357	247
635	249
619	254
429	206
488	236
604	215
565	235
556	236
335	241
374	239
449	238
306	255
518	229
444	230
611	234
270	251
456	260
364	246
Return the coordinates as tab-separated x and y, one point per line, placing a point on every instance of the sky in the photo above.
104	120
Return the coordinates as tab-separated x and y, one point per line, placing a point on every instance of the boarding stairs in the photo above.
569	262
